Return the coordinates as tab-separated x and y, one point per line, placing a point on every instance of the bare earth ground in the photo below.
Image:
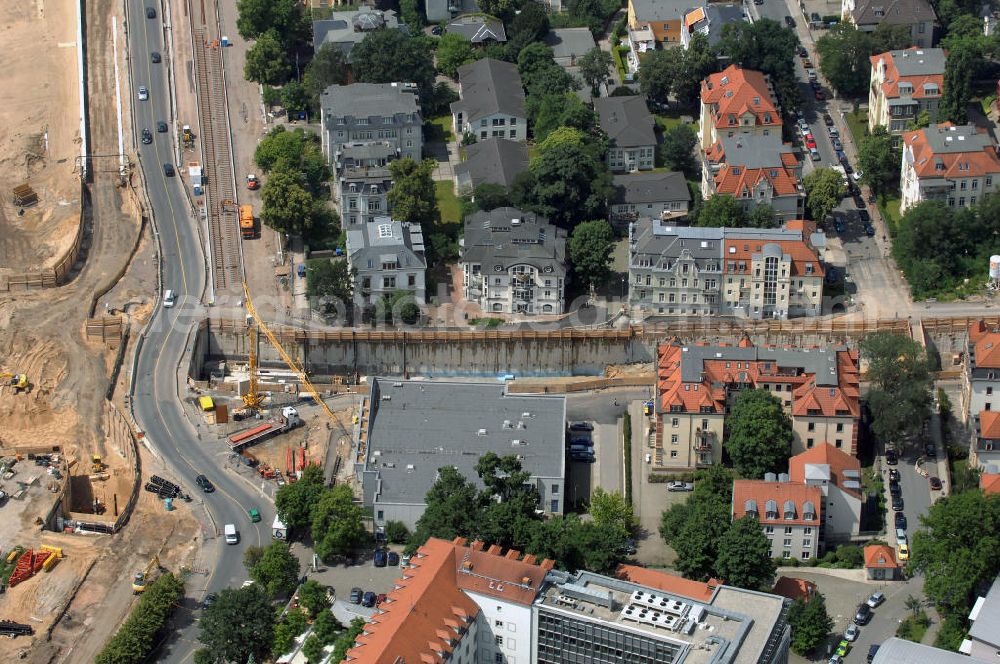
39	131
42	333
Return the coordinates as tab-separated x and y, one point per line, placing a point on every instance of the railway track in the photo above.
220	198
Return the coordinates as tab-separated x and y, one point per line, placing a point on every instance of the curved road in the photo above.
156	401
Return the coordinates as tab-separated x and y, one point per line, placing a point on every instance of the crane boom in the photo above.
292	364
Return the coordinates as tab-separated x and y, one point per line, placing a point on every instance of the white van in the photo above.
232	537
168	298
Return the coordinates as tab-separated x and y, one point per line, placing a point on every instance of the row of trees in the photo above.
329	514
940	248
709	544
504	513
135	639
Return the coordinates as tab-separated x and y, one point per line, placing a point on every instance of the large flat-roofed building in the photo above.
696	385
586	617
412	429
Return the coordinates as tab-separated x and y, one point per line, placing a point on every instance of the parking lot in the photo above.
342	577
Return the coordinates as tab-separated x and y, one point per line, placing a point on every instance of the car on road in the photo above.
872	651
436	30
790	22
583	457
150	12
827	120
368	599
858	175
161	127
205	484
930	450
869	230
168	170
893	475
852	633
858	201
580	442
843	647
629	547
393	558
155	57
875	600
904	552
838	225
405	560
900	520
581	426
803	53
935	483
815	17
863	615
819	95
835	142
356	594
143	93
811	145
901	535
835	659
807	63
891	458
863	214
842	158
680	486
810	73
832	131
897	503
209	600
147	136
380	558
814	154
808	136
894	489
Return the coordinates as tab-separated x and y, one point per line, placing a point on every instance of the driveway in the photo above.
649	499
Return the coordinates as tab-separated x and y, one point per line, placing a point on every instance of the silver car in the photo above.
143	93
680	486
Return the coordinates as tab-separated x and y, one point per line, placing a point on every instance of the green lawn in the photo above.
889	207
448	202
913	628
438	129
665	122
858	122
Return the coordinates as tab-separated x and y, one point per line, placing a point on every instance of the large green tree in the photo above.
337	523
391	56
453	51
540	74
313	597
610	510
413	196
566	183
958	71
590	247
266	61
294	501
958	550
595	68
330	281
290	626
879	160
677	74
824	190
758	434
677	149
694	530
745	556
237	626
721	210
287	206
547	113
900	376
810	623
328	67
454	508
510	501
577	544
277	570
529	26
137	637
843	58
766	46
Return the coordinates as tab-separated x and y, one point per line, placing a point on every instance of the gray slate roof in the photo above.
897	12
494	239
966	138
479	29
661	10
433	424
382	238
900	651
567	43
819	361
754	151
919	61
720	15
495	161
365	100
347	29
651	188
489	86
366	154
626	120
986	626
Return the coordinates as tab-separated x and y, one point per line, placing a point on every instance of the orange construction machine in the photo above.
246	222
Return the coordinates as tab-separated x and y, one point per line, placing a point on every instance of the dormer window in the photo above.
789	510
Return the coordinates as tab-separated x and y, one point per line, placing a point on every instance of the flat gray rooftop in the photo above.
819	361
418	427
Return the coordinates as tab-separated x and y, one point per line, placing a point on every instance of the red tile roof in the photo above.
974	162
429	609
880	556
801	254
671	583
890	87
989	424
989	483
735	92
762	491
825	453
987	345
793	588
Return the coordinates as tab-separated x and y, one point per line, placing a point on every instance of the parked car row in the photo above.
580	443
383	558
862	617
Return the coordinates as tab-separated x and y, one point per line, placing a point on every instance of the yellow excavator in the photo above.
18	381
142	578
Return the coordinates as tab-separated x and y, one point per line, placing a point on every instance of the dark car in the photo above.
838	225
819	95
168	170
865	216
209	600
436	30
864	615
895	489
815	17
893	475
803	53
203	481
935	483
835	142
891	458
583	457
161	127
150	12
897	503
581	442
869	230
872	650
827	120
790	22
356	594
832	276
930	450
858	201
155	57
380	558
393	558
629	547
368	599
846	164
900	520
581	426
147	136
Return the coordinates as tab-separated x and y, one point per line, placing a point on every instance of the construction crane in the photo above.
257	323
18	381
142	578
253	397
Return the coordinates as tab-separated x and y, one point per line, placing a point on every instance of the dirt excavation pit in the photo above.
39	132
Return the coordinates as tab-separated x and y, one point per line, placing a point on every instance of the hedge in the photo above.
134	642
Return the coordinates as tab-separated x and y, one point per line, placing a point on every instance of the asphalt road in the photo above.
157	405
